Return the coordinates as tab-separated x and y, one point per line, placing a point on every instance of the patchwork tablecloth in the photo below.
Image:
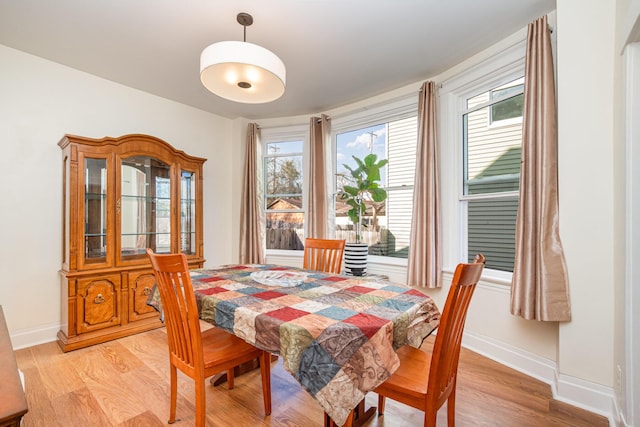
336	334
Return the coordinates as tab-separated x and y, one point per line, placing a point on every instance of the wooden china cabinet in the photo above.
120	197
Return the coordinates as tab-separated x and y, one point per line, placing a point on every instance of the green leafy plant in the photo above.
363	185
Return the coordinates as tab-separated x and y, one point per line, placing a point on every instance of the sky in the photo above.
359	143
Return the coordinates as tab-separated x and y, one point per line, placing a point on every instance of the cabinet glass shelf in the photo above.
145	216
95	208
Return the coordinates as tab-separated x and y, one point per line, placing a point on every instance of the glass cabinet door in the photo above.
95	210
187	212
145	208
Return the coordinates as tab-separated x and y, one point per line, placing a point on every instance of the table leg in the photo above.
357	417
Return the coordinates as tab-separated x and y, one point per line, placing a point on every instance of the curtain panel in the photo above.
539	288
252	217
319	204
425	250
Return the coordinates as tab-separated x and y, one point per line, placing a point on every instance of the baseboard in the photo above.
593	397
571	390
34	336
619	419
528	363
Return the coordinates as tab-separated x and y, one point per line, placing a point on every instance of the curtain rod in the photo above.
319	120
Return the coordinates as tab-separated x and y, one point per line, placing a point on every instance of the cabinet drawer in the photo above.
98	303
140	287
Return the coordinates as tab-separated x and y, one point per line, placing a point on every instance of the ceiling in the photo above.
336	51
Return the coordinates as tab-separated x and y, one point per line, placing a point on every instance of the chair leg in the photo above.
265	370
200	402
328	422
451	409
173	394
381	403
430	417
349	421
230	378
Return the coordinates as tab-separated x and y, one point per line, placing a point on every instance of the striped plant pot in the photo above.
355	259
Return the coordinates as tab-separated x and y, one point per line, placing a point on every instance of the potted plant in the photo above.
361	186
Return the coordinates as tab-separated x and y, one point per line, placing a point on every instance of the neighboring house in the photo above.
285	205
285	226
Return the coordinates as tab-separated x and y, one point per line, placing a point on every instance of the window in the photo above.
386	224
283	183
492	146
508	108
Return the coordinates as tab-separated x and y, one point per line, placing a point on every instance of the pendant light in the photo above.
241	71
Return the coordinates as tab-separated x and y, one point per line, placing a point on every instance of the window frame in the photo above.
505	122
494	100
465	199
396	109
502	67
285	134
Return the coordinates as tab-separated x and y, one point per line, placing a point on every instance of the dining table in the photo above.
336	334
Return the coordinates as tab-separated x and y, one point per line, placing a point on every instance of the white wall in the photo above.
627	114
40	101
585	130
627	320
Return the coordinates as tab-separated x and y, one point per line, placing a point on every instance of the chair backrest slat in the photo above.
323	255
180	308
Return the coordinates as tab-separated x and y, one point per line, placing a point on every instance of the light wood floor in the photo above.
126	383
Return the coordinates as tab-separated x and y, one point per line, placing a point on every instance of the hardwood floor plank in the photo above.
125	383
91	367
117	402
38	397
56	373
149	389
146	419
120	357
80	408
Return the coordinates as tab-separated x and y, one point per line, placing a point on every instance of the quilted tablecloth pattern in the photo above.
336	334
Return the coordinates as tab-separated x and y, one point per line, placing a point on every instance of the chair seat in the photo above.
411	378
218	344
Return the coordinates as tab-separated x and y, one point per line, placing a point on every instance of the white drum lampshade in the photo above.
241	71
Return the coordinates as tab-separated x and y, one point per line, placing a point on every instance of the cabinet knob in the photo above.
98	299
146	291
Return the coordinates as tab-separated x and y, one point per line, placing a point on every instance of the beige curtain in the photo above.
425	249
539	288
318	216
252	221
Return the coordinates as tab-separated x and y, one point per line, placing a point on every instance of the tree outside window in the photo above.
283	195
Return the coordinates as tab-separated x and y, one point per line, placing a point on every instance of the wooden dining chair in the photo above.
199	354
426	380
323	255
